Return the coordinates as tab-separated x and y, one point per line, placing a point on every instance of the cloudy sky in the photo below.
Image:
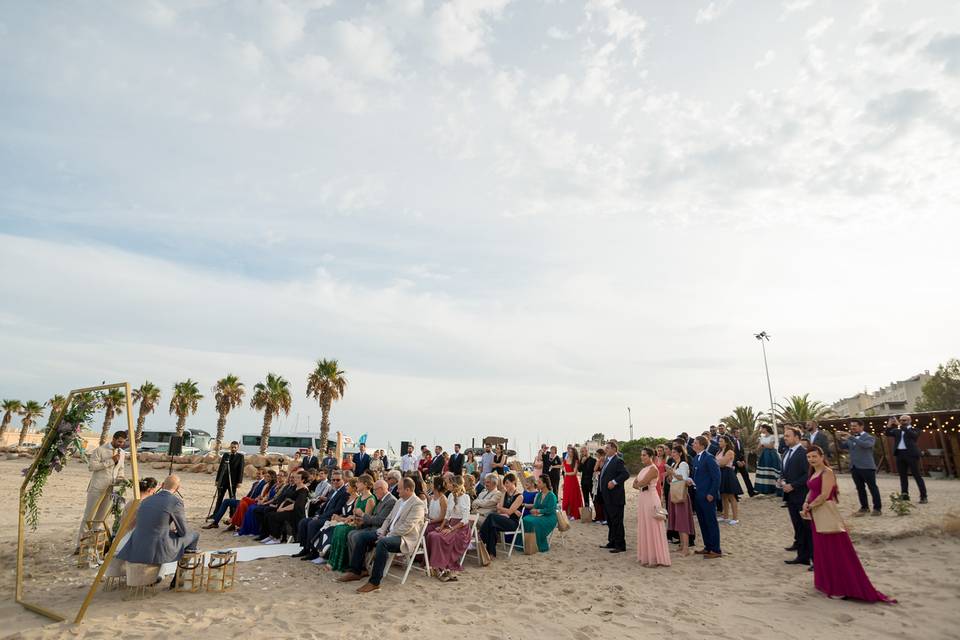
513	218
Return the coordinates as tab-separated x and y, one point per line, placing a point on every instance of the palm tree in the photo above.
326	384
801	408
186	398
746	419
57	404
228	393
113	402
271	397
148	395
9	408
32	409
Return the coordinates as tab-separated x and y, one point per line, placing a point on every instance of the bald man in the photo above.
161	533
385	502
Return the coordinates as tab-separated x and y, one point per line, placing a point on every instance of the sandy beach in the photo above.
576	591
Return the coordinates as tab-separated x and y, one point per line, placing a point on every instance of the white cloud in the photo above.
712	11
816	31
766	60
367	50
460	28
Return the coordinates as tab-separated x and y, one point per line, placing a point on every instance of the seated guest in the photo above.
420	486
487	500
506	517
543	516
161	534
253	521
319	493
399	533
529	493
234	503
385	502
447	543
344	516
291	511
148	487
366	501
393	483
309	528
436	504
266	484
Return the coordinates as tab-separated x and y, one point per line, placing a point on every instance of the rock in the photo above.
197	468
159	465
951	523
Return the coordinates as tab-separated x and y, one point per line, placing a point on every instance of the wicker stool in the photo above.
92	543
190	573
221	570
140	579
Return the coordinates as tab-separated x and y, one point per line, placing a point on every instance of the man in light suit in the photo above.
907	455
361	461
613	475
705	477
106	462
161	533
399	533
384	506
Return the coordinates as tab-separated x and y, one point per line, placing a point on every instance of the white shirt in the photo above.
408	463
396	515
681	471
458	508
903	443
766	441
789	454
486	463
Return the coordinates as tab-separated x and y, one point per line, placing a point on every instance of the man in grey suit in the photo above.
161	533
863	468
385	502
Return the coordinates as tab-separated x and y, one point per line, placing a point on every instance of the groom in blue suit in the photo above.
706	481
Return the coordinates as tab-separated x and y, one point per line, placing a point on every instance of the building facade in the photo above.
896	398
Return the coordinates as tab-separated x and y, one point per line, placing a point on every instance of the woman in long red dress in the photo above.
837	571
572	498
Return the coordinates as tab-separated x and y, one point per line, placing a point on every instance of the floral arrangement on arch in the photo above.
66	443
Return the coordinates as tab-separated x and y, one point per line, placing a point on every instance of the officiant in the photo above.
229	475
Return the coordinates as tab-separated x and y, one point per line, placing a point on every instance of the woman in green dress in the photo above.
338	558
543	516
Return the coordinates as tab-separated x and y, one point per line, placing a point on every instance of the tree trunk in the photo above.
265	433
221	427
5	423
181	423
23	432
107	420
141	420
324	421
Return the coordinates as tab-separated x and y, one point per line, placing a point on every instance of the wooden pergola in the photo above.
939	439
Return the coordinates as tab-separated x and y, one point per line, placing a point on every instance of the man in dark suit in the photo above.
705	478
229	475
613	475
455	465
309	528
740	461
436	465
818	438
794	485
361	461
310	460
907	455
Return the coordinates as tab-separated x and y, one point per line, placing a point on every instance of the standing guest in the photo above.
652	549
907	455
161	533
572	498
794	484
538	462
499	460
705	479
229	475
768	462
486	461
361	461
817	437
347	464
587	463
863	468
364	506
837	571
294	462
408	462
556	467
426	460
292	511
612	476
233	504
106	467
376	466
740	461
680	514
436	462
506	518
455	464
329	462
729	486
399	533
470	466
601	458
267	491
487	500
542	519
447	543
309	528
660	462
310	460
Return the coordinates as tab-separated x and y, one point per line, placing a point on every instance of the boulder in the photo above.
159	465
249	471
197	468
256	460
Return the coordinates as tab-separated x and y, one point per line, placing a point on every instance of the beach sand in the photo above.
577	590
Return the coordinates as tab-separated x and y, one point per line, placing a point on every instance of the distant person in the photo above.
229	475
587	463
740	461
572	496
652	549
106	467
376	465
486	461
863	467
500	460
907	455
455	464
436	465
408	463
730	490
556	468
768	462
309	460
817	437
361	461
794	483
679	511
329	462
161	534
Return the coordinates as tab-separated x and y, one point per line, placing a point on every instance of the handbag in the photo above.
827	518
659	513
563	522
483	554
530	544
586	514
678	492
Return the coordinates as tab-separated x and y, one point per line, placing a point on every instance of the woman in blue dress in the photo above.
768	464
251	523
543	516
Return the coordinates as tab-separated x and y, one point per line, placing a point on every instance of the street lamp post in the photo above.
630	422
763	337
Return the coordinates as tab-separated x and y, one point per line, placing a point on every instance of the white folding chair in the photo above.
408	559
517	533
474	539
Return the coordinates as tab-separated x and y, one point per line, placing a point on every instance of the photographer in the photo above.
863	468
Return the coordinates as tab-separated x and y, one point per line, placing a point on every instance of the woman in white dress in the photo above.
768	463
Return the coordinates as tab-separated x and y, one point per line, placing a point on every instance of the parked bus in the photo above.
195	441
291	444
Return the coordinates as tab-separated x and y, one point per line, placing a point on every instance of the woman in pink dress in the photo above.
660	462
572	497
652	549
837	571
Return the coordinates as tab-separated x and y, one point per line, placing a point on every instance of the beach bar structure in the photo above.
939	440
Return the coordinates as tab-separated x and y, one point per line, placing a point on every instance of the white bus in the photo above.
195	441
291	444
